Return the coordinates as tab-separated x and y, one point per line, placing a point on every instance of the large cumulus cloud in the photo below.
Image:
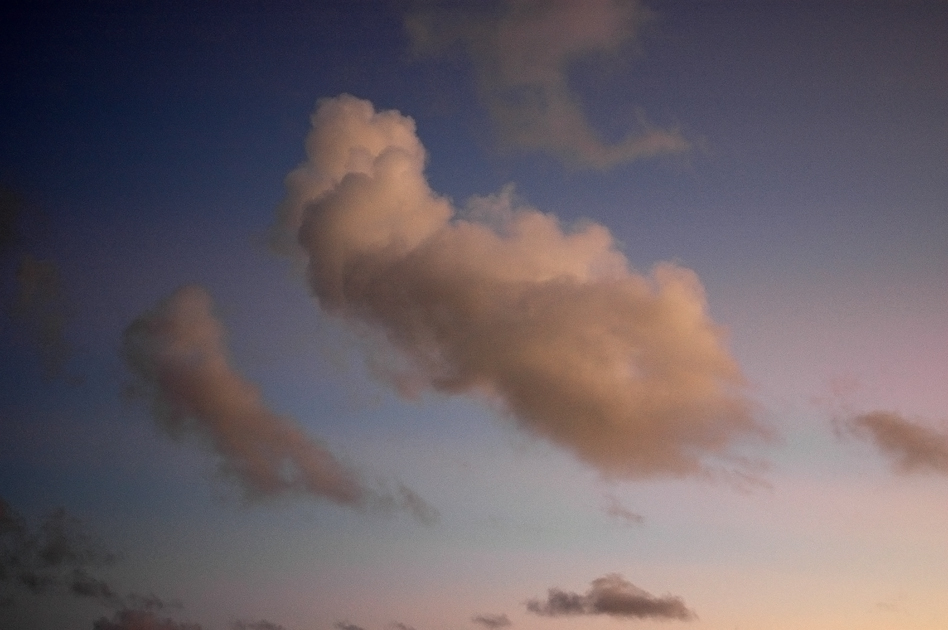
625	370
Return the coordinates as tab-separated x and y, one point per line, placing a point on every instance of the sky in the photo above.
432	315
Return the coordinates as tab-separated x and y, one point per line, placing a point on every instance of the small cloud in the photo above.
612	595
912	447
85	585
130	619
345	625
618	511
256	625
522	52
492	622
398	625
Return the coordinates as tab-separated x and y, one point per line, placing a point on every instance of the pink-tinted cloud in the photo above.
625	370
522	54
178	352
614	596
910	446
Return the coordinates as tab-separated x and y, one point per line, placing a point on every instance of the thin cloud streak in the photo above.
51	557
618	511
910	446
614	596
522	55
177	350
492	622
625	370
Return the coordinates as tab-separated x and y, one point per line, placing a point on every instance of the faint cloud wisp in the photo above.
522	55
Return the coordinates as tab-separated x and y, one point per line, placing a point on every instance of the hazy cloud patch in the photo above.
614	596
910	446
39	305
501	301
522	54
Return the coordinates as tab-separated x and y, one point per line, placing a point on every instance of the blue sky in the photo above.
800	175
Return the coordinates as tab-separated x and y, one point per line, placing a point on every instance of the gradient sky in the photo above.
474	385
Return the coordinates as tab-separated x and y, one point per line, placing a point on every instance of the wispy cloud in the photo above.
178	352
616	510
492	622
522	53
611	595
57	556
626	370
912	447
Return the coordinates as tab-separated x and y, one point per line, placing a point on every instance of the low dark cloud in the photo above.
492	622
54	556
398	625
133	619
58	556
345	625
911	447
263	624
611	595
177	350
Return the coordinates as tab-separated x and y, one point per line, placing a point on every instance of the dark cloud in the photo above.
398	625
492	622
345	625
910	446
522	53
130	619
627	371
178	352
612	595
